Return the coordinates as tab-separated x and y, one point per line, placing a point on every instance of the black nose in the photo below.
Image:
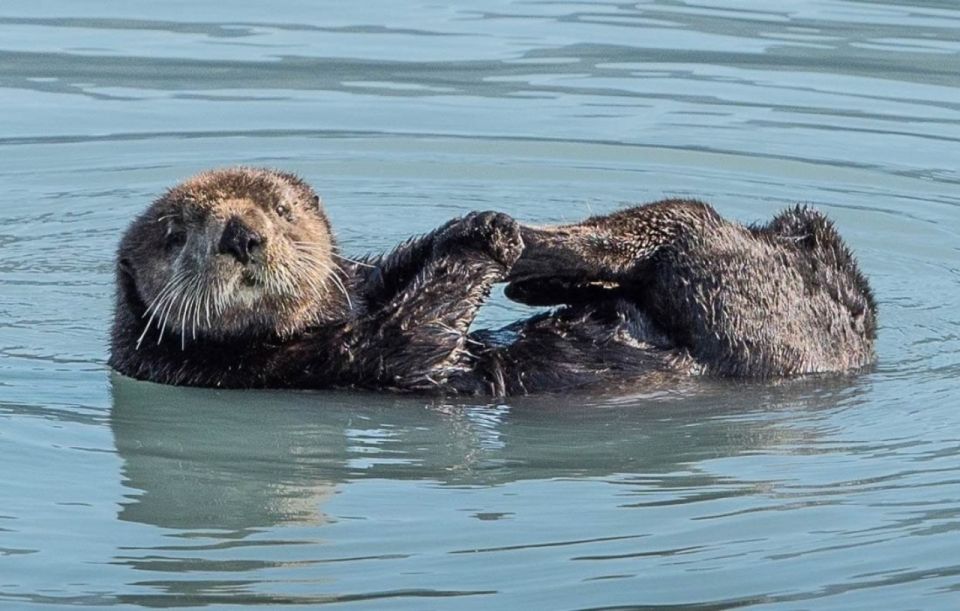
239	240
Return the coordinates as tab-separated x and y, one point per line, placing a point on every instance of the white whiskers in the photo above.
192	302
314	256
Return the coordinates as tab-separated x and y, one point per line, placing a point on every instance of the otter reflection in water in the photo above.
196	459
233	279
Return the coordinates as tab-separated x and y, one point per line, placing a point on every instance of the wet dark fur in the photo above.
781	299
655	293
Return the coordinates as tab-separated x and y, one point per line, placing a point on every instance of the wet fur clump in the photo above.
234	279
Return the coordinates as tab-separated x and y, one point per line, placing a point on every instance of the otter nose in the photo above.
239	240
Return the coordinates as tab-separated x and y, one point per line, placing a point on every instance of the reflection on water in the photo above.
227	466
835	492
219	477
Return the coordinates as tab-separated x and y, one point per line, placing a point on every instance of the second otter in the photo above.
233	279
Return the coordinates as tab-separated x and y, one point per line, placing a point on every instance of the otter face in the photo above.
234	251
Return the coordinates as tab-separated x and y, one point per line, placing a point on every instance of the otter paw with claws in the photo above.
493	233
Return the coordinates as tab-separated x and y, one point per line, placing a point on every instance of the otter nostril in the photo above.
239	240
254	242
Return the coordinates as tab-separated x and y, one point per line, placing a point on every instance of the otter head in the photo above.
230	253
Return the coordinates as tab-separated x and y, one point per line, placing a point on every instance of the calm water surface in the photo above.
841	493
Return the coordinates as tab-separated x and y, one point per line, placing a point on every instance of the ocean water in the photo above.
838	493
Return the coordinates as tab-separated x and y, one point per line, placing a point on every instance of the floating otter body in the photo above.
781	299
233	279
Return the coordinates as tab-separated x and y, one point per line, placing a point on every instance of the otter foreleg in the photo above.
603	255
386	275
421	331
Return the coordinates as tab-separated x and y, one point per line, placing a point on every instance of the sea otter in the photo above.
233	279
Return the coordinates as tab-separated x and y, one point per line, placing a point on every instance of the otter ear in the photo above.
125	267
317	202
127	282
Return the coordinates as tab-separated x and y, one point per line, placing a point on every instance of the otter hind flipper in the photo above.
604	256
556	290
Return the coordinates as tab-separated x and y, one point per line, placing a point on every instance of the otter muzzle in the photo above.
240	241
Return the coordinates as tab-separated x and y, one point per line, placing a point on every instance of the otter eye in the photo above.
174	239
316	201
283	210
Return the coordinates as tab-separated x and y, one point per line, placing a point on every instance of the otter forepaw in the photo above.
494	233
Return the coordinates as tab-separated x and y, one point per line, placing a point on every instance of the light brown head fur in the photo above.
235	251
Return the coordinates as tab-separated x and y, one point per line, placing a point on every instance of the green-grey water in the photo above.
839	493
